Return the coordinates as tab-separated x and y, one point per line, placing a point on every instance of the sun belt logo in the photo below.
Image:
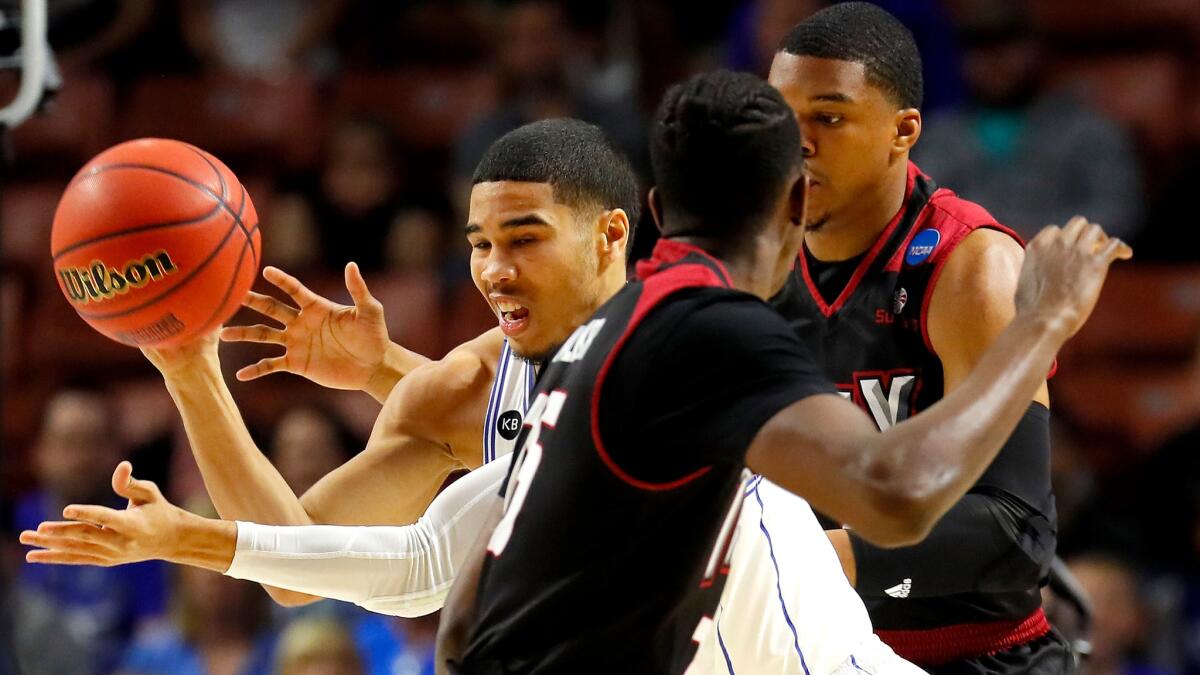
922	246
98	282
900	590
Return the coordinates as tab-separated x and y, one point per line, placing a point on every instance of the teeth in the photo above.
507	306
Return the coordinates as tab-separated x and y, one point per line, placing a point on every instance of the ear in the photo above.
654	201
614	233
908	130
798	201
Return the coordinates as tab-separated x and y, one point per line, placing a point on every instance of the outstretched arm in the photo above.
892	487
404	571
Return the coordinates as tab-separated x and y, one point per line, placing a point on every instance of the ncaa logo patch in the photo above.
922	246
509	425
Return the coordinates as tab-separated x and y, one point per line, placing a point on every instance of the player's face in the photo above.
534	263
848	128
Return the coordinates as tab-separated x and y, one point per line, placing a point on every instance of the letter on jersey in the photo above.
545	410
888	405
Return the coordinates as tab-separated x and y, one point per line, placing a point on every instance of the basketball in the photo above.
155	242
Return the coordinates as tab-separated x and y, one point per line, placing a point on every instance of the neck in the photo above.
759	267
854	229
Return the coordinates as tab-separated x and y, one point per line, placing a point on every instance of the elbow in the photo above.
903	512
286	598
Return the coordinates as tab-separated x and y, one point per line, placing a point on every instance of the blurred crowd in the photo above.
355	127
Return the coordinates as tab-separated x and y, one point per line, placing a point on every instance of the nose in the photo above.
808	144
499	269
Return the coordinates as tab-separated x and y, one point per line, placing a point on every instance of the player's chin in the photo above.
533	348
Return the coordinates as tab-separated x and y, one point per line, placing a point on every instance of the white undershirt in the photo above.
403	571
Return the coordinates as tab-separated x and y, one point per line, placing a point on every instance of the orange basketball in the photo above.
155	242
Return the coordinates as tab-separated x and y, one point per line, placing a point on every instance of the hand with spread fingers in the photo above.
149	528
336	346
1064	272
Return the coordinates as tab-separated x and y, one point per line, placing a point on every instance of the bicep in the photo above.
407	459
973	303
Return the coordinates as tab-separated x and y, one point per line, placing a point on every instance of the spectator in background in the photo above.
77	619
317	647
263	39
540	77
1029	154
309	442
1121	622
348	210
218	626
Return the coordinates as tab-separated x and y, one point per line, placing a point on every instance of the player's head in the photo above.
552	207
852	74
727	162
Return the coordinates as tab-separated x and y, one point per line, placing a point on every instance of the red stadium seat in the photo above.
252	120
1144	22
26	214
427	107
466	316
1144	312
75	125
1133	405
1144	91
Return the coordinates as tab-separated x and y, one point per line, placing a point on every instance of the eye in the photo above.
523	241
829	119
481	245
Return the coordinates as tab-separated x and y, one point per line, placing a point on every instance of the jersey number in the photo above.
544	411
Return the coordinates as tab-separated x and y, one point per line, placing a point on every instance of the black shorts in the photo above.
1047	655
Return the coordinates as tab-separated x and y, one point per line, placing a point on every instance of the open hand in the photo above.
1064	271
147	529
336	346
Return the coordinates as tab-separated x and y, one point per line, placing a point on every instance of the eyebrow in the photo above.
836	97
519	221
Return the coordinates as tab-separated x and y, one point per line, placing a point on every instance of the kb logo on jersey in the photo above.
509	425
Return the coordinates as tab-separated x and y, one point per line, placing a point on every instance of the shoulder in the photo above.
972	300
449	383
728	318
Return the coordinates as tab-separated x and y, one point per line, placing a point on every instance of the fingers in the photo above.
274	364
259	333
270	307
136	491
290	285
96	515
77	537
47	557
1116	250
1073	229
358	289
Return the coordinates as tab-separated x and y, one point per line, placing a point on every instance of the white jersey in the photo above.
787	606
510	398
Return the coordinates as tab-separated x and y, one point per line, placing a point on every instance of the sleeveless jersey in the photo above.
510	397
872	340
592	569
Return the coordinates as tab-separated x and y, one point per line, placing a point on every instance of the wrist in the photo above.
204	542
385	376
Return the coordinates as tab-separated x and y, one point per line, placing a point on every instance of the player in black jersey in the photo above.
899	290
611	549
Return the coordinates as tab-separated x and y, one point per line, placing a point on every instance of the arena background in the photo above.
355	125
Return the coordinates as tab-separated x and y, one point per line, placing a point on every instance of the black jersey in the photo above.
622	500
872	340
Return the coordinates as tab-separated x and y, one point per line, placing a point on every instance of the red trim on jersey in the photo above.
865	264
939	646
656	286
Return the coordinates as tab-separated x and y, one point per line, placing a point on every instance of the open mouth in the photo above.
513	316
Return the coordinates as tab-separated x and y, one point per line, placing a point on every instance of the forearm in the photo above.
404	571
924	464
397	362
241	481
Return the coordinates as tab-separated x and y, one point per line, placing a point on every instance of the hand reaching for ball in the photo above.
334	345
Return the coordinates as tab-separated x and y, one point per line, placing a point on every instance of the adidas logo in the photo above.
900	590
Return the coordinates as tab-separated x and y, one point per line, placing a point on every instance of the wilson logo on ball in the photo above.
99	282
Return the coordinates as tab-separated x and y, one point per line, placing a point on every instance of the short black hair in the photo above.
723	146
863	33
574	157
